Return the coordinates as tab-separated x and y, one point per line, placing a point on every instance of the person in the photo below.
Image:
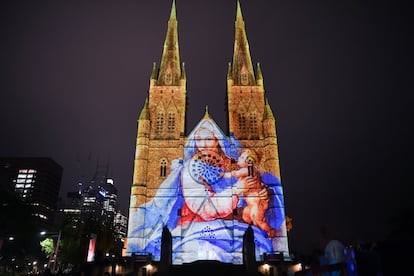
335	253
197	204
250	185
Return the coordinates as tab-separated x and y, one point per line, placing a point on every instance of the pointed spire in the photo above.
173	13
268	113
170	71
229	71
183	74
239	14
144	112
242	71
206	114
259	72
259	76
154	71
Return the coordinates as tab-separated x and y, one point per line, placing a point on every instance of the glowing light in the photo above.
149	267
296	267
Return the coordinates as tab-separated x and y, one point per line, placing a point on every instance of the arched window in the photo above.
160	123
163	167
168	78
171	122
244	76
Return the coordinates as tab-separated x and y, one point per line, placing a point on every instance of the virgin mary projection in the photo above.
208	200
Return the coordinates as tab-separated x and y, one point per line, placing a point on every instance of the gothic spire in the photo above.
183	75
242	70
259	72
170	71
154	71
206	114
144	112
268	113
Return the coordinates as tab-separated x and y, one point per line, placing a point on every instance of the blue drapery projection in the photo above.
208	200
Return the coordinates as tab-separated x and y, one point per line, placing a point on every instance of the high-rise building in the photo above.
100	198
207	188
96	197
37	182
120	224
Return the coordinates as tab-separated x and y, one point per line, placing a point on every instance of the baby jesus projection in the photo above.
208	200
254	191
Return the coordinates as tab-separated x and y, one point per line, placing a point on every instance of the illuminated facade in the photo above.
207	187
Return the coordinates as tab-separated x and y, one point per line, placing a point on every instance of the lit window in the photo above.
171	122
30	176
20	175
32	171
253	122
19	186
163	167
242	122
160	122
28	186
168	78
23	171
20	180
41	216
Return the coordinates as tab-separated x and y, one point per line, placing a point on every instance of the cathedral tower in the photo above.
250	117
161	124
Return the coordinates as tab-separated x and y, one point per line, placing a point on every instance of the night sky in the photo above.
338	76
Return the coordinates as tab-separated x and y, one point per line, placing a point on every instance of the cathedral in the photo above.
207	189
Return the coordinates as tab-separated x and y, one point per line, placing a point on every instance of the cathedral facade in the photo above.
206	187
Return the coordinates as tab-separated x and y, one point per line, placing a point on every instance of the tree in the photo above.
74	241
48	246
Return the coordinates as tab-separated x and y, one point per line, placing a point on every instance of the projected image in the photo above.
208	201
255	194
